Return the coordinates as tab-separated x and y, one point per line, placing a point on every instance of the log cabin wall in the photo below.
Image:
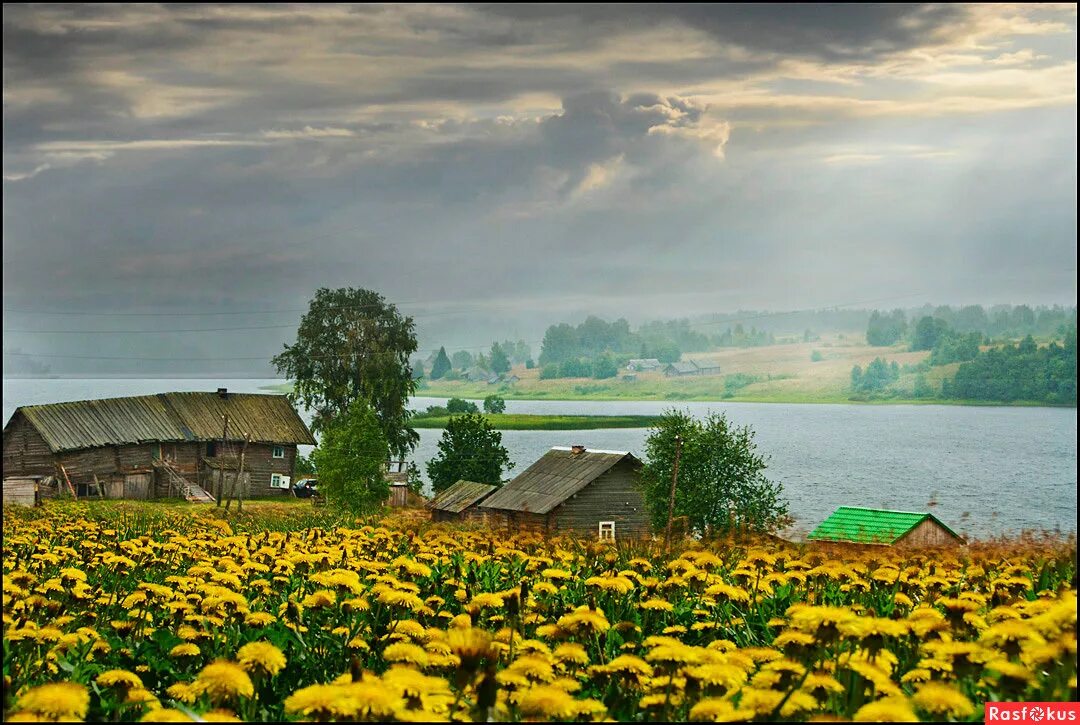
25	452
928	533
614	496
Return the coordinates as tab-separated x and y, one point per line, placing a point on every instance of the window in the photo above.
211	449
155	451
279	451
279	481
607	530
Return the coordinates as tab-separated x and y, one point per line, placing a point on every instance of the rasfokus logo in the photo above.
1032	712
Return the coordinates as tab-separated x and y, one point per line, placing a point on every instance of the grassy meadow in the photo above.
124	611
780	374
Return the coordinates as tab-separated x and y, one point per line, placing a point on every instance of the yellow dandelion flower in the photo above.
888	709
186	649
406	652
547	702
717	709
940	699
223	681
571	652
165	715
119	678
261	656
58	701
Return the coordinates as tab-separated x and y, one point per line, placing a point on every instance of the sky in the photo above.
495	168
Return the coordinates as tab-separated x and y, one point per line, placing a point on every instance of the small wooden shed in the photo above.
588	493
21	491
461	502
855	525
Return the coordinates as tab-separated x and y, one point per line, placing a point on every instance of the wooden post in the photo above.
237	482
68	480
671	497
100	490
221	463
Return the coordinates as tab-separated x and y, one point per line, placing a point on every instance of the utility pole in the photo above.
221	462
671	497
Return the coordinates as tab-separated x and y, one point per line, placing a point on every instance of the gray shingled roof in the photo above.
166	417
551	480
460	496
687	366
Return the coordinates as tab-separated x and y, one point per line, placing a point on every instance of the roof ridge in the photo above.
885	511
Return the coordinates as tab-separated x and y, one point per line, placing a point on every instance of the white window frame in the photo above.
278	480
274	452
607	530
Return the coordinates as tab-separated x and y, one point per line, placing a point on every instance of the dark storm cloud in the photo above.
534	161
829	31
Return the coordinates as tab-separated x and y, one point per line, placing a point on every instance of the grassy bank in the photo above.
515	421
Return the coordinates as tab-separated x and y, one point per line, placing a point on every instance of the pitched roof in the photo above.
166	417
870	526
460	496
686	366
555	477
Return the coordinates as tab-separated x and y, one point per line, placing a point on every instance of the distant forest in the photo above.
1008	371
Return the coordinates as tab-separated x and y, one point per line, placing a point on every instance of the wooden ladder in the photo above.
190	491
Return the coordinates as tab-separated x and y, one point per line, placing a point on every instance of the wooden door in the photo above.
137	485
114	488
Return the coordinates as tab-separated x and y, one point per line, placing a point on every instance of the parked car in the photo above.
306	488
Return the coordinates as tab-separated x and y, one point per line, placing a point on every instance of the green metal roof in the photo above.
870	526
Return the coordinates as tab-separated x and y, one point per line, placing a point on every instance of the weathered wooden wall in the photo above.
20	491
928	533
25	452
613	496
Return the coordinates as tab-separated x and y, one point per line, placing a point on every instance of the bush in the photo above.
549	372
455	406
816	356
469	449
494	404
350	460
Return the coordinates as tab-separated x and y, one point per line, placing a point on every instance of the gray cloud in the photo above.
646	161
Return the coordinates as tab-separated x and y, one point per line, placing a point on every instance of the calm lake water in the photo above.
990	470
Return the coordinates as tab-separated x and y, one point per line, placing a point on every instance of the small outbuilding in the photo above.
461	502
593	494
854	525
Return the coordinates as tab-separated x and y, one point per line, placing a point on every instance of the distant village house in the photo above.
643	364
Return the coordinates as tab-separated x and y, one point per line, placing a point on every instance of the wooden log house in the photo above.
590	494
157	446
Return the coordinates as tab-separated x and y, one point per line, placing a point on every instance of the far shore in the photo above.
477	393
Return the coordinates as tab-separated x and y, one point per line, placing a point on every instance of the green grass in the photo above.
516	421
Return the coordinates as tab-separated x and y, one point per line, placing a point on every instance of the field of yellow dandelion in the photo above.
168	614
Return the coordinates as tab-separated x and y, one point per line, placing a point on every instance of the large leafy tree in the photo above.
469	449
352	344
721	484
350	460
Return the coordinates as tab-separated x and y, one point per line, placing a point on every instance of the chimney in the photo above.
223	393
577	449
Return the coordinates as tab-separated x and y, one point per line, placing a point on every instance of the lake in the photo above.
983	470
